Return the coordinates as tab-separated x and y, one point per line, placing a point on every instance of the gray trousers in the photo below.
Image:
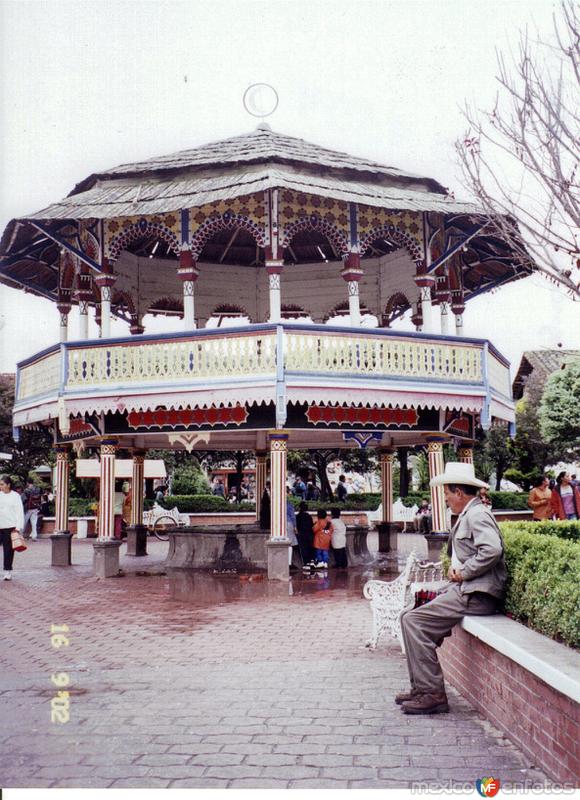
423	629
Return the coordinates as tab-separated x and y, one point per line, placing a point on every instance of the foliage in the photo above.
509	501
189	479
559	412
520	159
543	588
203	503
532	453
563	529
35	447
493	453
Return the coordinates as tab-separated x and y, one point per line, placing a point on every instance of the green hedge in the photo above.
203	503
566	529
543	589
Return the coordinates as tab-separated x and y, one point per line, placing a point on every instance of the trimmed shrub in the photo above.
543	589
563	529
544	584
509	501
203	503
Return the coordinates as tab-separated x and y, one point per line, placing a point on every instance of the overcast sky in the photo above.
89	85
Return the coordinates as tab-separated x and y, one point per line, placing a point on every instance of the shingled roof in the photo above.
536	366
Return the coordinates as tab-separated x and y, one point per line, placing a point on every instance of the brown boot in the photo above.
427	703
403	697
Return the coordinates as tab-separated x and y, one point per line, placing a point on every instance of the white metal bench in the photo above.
389	598
158	512
400	514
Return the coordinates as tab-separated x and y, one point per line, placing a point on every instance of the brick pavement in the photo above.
192	680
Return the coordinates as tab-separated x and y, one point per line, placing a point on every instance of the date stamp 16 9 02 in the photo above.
60	702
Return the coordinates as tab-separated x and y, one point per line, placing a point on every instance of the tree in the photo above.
559	412
494	452
35	446
520	160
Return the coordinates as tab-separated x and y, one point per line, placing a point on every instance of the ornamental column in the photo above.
261	474
444	298
277	545
106	548
352	273
188	273
61	538
387	528
64	311
274	269
437	467
425	283
387	458
136	531
84	295
458	308
105	281
465	455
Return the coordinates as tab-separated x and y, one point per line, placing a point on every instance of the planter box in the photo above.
85	526
523	682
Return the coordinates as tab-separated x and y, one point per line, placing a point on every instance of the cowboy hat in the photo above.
460	473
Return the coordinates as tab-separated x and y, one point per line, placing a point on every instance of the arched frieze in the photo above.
314	222
145	226
229	220
393	234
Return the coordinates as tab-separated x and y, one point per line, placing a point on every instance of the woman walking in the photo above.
11	518
565	498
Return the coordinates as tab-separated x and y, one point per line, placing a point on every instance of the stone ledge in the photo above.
552	662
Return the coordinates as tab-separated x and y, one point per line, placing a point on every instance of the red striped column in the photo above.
387	458
261	474
465	455
437	467
137	479
107	490
278	452
62	489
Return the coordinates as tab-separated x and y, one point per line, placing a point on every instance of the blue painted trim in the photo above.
22	253
485	412
31	359
448	253
184	225
66	245
281	405
388	379
27	285
63	367
52	395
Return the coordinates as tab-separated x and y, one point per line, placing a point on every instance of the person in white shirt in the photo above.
338	539
11	518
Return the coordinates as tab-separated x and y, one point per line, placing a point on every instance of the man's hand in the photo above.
454	575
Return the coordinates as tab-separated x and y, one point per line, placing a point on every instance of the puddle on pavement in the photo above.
202	588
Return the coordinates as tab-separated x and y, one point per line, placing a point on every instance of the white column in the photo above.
107	491
137	478
436	467
444	306
105	284
188	305
426	308
354	304
387	458
63	332
61	490
274	270
459	324
278	451
83	320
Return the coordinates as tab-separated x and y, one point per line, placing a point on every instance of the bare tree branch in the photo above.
520	160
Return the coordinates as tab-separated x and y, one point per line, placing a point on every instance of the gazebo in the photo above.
288	236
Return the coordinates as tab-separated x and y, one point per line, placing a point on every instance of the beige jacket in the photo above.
477	543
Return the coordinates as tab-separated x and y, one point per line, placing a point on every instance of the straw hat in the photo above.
460	473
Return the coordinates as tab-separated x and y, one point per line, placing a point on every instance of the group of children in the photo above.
315	539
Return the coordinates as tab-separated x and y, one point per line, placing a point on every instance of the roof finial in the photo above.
261	100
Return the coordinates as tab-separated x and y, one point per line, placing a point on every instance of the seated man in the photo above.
477	578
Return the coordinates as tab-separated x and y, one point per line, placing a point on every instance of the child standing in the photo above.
338	539
322	530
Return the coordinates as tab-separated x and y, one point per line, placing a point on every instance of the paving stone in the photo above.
190	693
